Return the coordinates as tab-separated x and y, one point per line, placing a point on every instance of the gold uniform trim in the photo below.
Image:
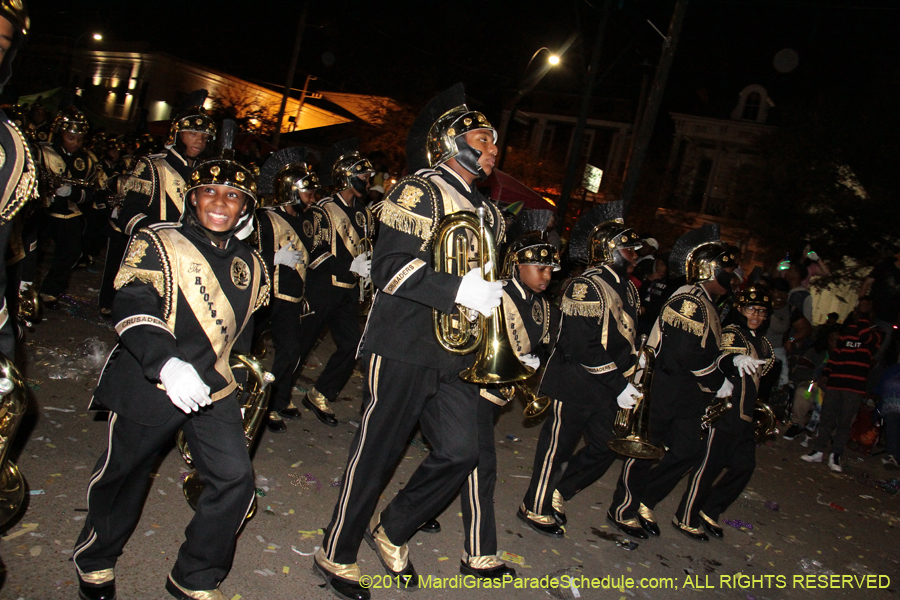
215	594
706	370
126	324
133	221
22	186
395	558
491	397
679	320
342	227
607	368
98	577
320	260
341	284
575	308
349	572
128	274
140	186
481	562
403	274
405	221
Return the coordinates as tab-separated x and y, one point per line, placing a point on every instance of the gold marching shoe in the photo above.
318	403
485	567
648	520
542	524
395	559
694	533
711	526
97	585
341	579
559	507
184	594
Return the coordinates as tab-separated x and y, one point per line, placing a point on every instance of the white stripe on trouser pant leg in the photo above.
113	417
475	509
695	482
626	472
374	367
546	468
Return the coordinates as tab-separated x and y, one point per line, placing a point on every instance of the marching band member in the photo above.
286	237
335	270
65	158
411	377
18	171
686	338
587	376
186	293
731	443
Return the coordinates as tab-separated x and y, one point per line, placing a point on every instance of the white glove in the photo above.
183	385
64	190
628	397
361	265
478	294
287	256
725	390
746	365
530	360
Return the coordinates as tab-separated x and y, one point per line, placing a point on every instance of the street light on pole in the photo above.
525	86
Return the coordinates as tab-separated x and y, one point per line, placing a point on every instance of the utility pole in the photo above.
578	137
642	136
292	67
303	96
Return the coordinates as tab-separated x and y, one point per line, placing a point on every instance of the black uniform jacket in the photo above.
687	337
531	323
596	349
18	172
178	296
341	228
154	191
400	325
78	165
277	228
738	340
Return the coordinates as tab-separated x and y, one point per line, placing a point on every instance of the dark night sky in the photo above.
409	50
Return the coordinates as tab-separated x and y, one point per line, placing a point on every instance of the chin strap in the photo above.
468	157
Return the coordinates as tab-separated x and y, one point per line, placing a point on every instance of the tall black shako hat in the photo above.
599	233
433	138
341	165
529	244
699	256
286	173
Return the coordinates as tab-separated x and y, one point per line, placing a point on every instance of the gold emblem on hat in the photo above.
544	253
214	170
529	254
239	176
467	121
199	121
451	132
195	175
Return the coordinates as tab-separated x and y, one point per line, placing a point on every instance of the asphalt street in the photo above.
796	526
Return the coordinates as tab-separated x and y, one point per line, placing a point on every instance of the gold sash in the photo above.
340	222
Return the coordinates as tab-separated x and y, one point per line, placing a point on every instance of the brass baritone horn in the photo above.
256	392
495	360
12	408
631	425
764	422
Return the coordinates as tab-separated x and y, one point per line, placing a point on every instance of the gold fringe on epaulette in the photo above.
581	309
133	184
402	220
128	274
677	319
735	350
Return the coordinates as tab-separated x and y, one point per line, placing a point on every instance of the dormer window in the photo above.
751	106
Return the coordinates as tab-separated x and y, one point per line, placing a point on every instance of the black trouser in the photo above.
839	409
643	483
7	328
115	250
397	396
338	309
287	339
477	497
118	488
96	230
729	448
66	236
559	436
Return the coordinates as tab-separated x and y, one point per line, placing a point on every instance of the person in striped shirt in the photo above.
844	382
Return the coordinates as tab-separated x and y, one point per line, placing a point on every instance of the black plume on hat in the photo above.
536	219
226	140
579	243
338	150
688	243
416	151
192	100
275	163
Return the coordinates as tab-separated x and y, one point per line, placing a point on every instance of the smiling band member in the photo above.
186	293
411	377
587	375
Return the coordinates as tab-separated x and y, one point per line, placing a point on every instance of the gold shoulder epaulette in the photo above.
134	267
582	298
733	341
686	312
397	210
135	184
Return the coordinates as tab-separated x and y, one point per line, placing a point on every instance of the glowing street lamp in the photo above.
97	36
